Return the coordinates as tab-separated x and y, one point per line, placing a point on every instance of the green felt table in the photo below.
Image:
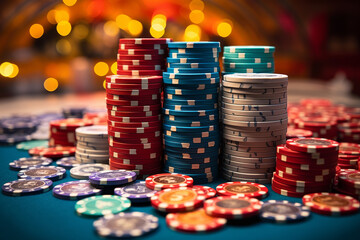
43	216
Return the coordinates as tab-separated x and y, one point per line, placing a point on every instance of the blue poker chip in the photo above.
126	225
190	119
178	158
248	60
193	70
193	65
194	152
188	85
192	81
49	172
189	102
191	140
283	211
14	138
194	44
191	129
18	123
22	187
195	113
194	50
192	60
191	76
213	96
190	146
112	177
190	107
75	190
194	55
136	192
249	49
68	162
190	165
192	135
190	123
27	162
185	92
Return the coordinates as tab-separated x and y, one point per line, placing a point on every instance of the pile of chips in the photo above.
248	59
254	118
349	155
191	119
305	165
348	182
349	132
98	118
298	133
16	129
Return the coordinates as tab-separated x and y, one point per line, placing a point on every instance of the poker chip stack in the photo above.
298	133
62	132
191	120
254	117
349	132
349	155
321	127
16	129
305	165
92	144
349	182
248	59
133	100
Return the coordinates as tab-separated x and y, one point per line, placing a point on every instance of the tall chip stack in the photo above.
133	99
191	120
254	117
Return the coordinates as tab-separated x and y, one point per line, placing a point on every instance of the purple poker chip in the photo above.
112	177
136	192
75	190
22	187
50	172
25	163
68	162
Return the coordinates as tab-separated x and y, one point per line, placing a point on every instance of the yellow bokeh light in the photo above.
80	31
69	2
104	84
63	28
135	27
3	67
51	84
101	69
224	29
36	30
196	16
63	46
9	70
114	68
15	71
192	33
196	5
111	28
51	16
61	15
156	34
122	21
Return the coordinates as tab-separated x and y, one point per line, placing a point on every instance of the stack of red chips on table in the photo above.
98	118
349	182
133	100
349	132
349	155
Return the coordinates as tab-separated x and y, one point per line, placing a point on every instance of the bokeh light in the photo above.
51	16
51	84
101	69
224	29
36	30
135	27
104	84
69	2
63	47
114	68
196	5
111	28
122	21
156	34
80	31
196	16
63	28
9	70
61	15
192	33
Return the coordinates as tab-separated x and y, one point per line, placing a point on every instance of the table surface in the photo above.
43	216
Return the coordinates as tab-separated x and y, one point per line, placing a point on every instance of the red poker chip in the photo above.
140	72
142	46
70	123
119	79
151	145
134	114
351	157
210	192
194	221
146	67
139	102
181	199
312	145
168	180
117	134
119	155
53	152
141	57
348	161
349	148
133	140
144	86
350	178
142	51
305	167
300	183
331	203
156	96
135	119
141	41
243	189
298	133
304	190
283	150
349	125
133	125
316	102
287	193
311	178
297	171
133	151
311	161
232	207
134	108
346	166
134	92
138	130
346	192
315	122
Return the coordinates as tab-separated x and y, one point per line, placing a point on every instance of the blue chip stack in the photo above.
191	118
16	129
248	59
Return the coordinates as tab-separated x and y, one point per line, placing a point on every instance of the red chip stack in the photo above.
321	127
305	165
62	132
349	132
98	118
133	100
298	133
349	155
349	182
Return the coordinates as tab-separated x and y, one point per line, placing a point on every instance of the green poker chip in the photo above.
32	144
102	205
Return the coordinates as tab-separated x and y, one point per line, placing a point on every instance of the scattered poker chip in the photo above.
102	205
52	152
194	221
136	192
178	199
22	187
75	190
283	211
27	162
32	144
312	145
210	192
126	225
49	172
331	203
232	207
243	189
83	171
168	180
68	162
112	177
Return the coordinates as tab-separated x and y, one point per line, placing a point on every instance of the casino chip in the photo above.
68	162
232	207
24	163
210	192
312	145
49	172
243	189
194	221
32	144
283	211
83	171
112	177
331	203
126	225
298	133
349	182
22	187
102	205
52	152
75	190
168	180
179	199
136	192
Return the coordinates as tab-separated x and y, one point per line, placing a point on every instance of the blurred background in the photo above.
58	47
